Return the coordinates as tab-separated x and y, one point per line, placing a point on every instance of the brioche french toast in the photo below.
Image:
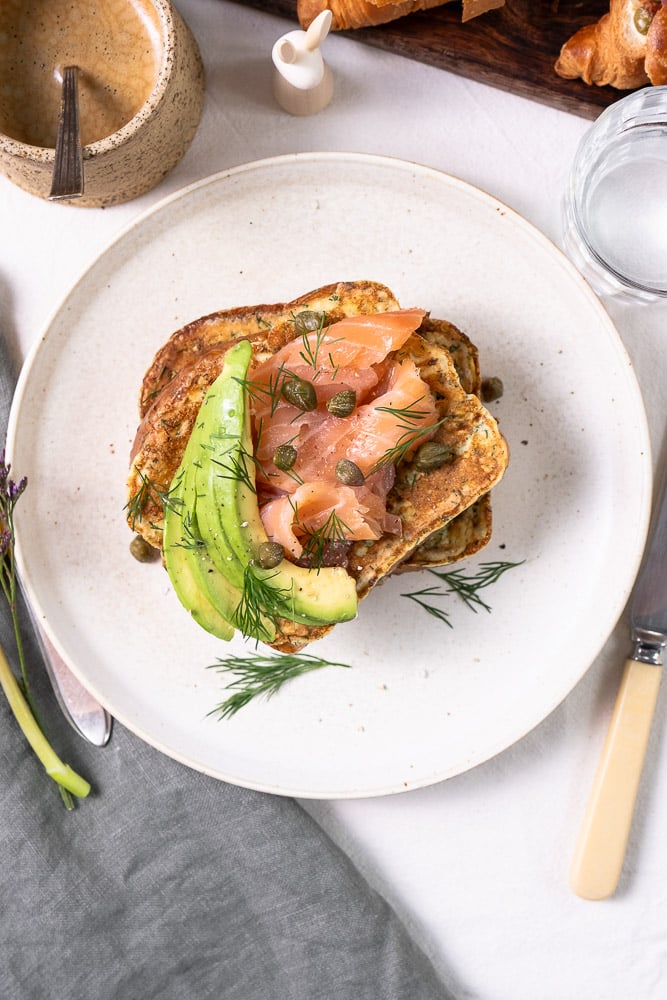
444	512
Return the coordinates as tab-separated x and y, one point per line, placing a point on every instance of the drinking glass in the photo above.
615	206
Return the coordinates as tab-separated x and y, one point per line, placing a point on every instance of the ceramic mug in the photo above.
141	92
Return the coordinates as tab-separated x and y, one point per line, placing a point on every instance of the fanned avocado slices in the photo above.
214	533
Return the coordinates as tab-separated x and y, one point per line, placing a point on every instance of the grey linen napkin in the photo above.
168	884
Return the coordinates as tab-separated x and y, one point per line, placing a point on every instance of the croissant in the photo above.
626	48
366	13
655	63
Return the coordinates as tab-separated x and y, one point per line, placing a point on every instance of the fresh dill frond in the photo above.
190	538
260	391
467	587
136	505
405	443
261	675
260	600
310	350
406	414
418	596
237	465
316	540
271	390
292	474
335	367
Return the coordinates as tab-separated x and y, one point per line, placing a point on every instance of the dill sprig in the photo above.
136	504
335	367
260	600
407	441
317	540
467	587
409	414
271	390
237	464
261	675
259	391
310	350
408	417
419	597
291	474
190	537
16	691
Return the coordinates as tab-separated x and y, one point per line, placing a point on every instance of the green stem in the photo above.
9	588
54	767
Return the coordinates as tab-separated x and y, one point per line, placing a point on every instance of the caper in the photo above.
308	321
270	554
343	403
284	457
492	388
642	20
299	393
141	550
349	473
431	455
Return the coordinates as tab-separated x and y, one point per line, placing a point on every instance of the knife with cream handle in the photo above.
600	851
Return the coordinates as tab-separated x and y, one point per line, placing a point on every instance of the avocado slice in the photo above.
188	565
215	599
229	519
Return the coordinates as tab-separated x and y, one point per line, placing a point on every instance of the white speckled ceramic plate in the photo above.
421	702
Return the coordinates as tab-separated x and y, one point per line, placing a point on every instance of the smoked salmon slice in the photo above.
356	342
335	514
393	411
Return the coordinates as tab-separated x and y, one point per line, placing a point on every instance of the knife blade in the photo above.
600	851
83	712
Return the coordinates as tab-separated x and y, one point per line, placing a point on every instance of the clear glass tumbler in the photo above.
615	207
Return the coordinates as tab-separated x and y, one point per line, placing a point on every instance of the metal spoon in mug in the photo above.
67	179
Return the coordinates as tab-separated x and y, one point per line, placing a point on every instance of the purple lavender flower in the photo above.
9	490
14	490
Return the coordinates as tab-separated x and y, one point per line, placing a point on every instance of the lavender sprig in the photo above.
16	691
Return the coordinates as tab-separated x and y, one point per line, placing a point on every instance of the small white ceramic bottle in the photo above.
302	81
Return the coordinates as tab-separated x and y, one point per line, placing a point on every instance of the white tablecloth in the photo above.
477	866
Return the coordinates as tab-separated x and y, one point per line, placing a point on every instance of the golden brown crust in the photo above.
160	442
614	51
350	14
259	324
176	382
428	503
656	49
460	348
457	539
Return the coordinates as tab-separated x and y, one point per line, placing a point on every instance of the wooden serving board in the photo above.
513	48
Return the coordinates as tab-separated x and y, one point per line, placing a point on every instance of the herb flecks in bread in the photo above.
214	394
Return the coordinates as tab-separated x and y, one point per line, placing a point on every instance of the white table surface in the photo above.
476	866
